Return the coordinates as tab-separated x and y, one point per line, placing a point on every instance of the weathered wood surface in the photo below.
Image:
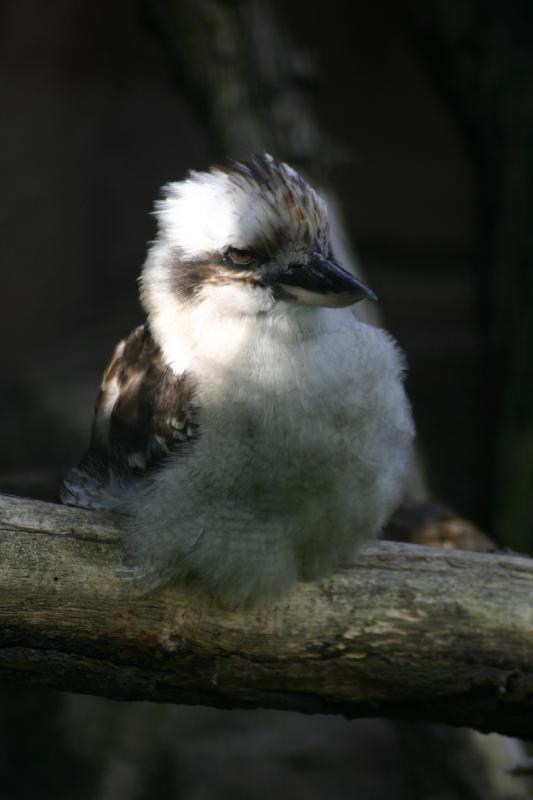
406	631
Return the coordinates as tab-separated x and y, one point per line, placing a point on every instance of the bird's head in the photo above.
250	235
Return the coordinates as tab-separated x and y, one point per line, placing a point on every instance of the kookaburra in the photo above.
253	430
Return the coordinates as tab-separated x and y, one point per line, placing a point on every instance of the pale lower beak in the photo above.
320	282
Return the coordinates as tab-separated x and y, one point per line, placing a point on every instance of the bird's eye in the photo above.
240	258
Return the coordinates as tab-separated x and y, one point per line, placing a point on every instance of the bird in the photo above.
253	431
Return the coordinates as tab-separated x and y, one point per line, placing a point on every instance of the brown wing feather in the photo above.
143	412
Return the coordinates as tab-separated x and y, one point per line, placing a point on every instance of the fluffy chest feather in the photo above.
292	408
304	439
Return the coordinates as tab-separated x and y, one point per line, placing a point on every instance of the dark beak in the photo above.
320	282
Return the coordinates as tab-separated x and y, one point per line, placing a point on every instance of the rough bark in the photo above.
405	631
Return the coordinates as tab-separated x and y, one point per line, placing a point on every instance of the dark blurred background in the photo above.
416	118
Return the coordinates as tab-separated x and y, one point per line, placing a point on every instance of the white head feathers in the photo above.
263	202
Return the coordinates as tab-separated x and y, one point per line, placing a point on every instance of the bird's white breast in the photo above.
304	439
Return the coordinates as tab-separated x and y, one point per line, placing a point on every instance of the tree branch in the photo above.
406	631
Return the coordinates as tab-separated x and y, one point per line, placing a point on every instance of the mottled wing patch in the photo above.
143	413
